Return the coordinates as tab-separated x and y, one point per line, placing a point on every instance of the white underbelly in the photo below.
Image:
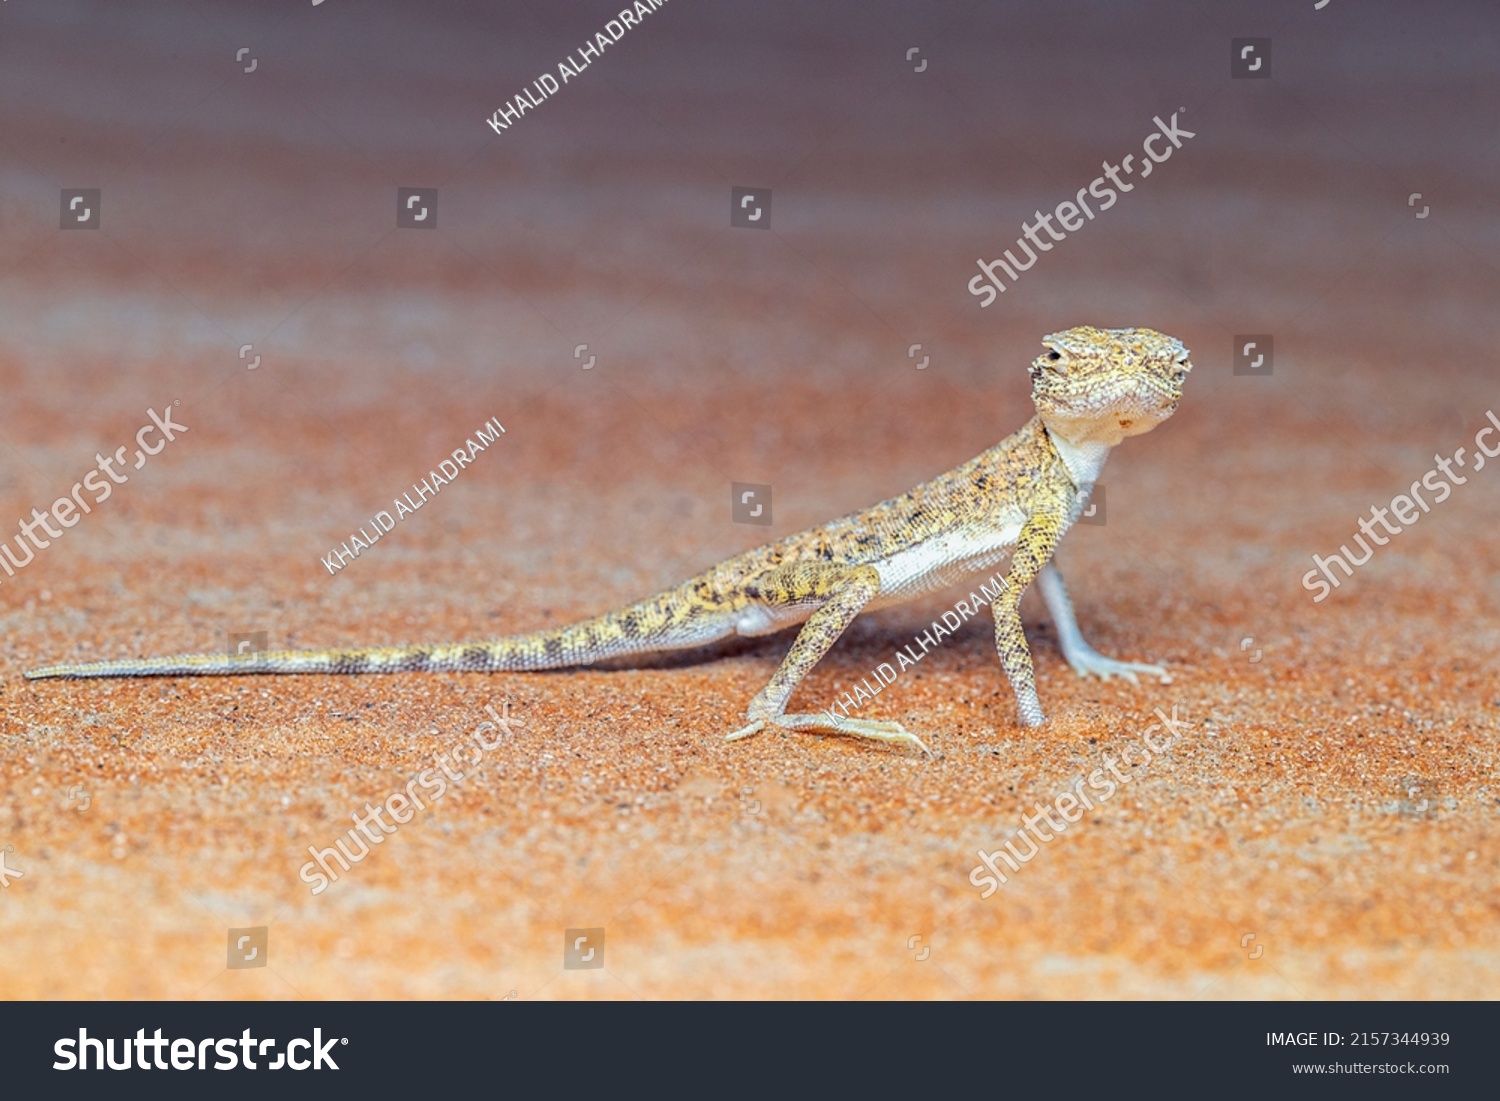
762	619
932	565
941	562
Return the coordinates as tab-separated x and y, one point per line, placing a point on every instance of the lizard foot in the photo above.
745	731
1088	662
859	728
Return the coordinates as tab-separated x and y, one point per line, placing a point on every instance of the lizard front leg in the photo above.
1034	546
841	593
1079	654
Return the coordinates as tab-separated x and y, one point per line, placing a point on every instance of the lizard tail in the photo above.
665	622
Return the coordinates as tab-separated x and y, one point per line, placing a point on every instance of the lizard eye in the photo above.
1054	355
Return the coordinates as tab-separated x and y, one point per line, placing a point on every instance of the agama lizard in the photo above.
1091	387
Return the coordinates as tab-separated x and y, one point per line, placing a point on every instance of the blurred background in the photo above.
579	278
249	158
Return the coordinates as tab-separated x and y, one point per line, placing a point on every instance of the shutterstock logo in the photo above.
1250	59
143	1053
583	949
80	208
1254	354
416	207
1070	213
100	482
750	207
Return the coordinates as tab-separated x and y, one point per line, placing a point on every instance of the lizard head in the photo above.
1101	385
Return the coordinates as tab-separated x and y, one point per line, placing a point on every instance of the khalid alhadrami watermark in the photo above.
547	85
885	673
382	522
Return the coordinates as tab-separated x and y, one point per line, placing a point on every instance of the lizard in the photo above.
1091	388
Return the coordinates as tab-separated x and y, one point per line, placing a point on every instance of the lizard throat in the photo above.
1082	458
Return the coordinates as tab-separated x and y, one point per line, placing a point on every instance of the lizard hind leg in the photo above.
840	593
1084	659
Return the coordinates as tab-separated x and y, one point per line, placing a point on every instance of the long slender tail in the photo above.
670	621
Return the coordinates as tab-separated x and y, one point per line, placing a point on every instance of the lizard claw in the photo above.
859	728
1091	662
745	731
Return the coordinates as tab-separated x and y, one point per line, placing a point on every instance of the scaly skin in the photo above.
1092	388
